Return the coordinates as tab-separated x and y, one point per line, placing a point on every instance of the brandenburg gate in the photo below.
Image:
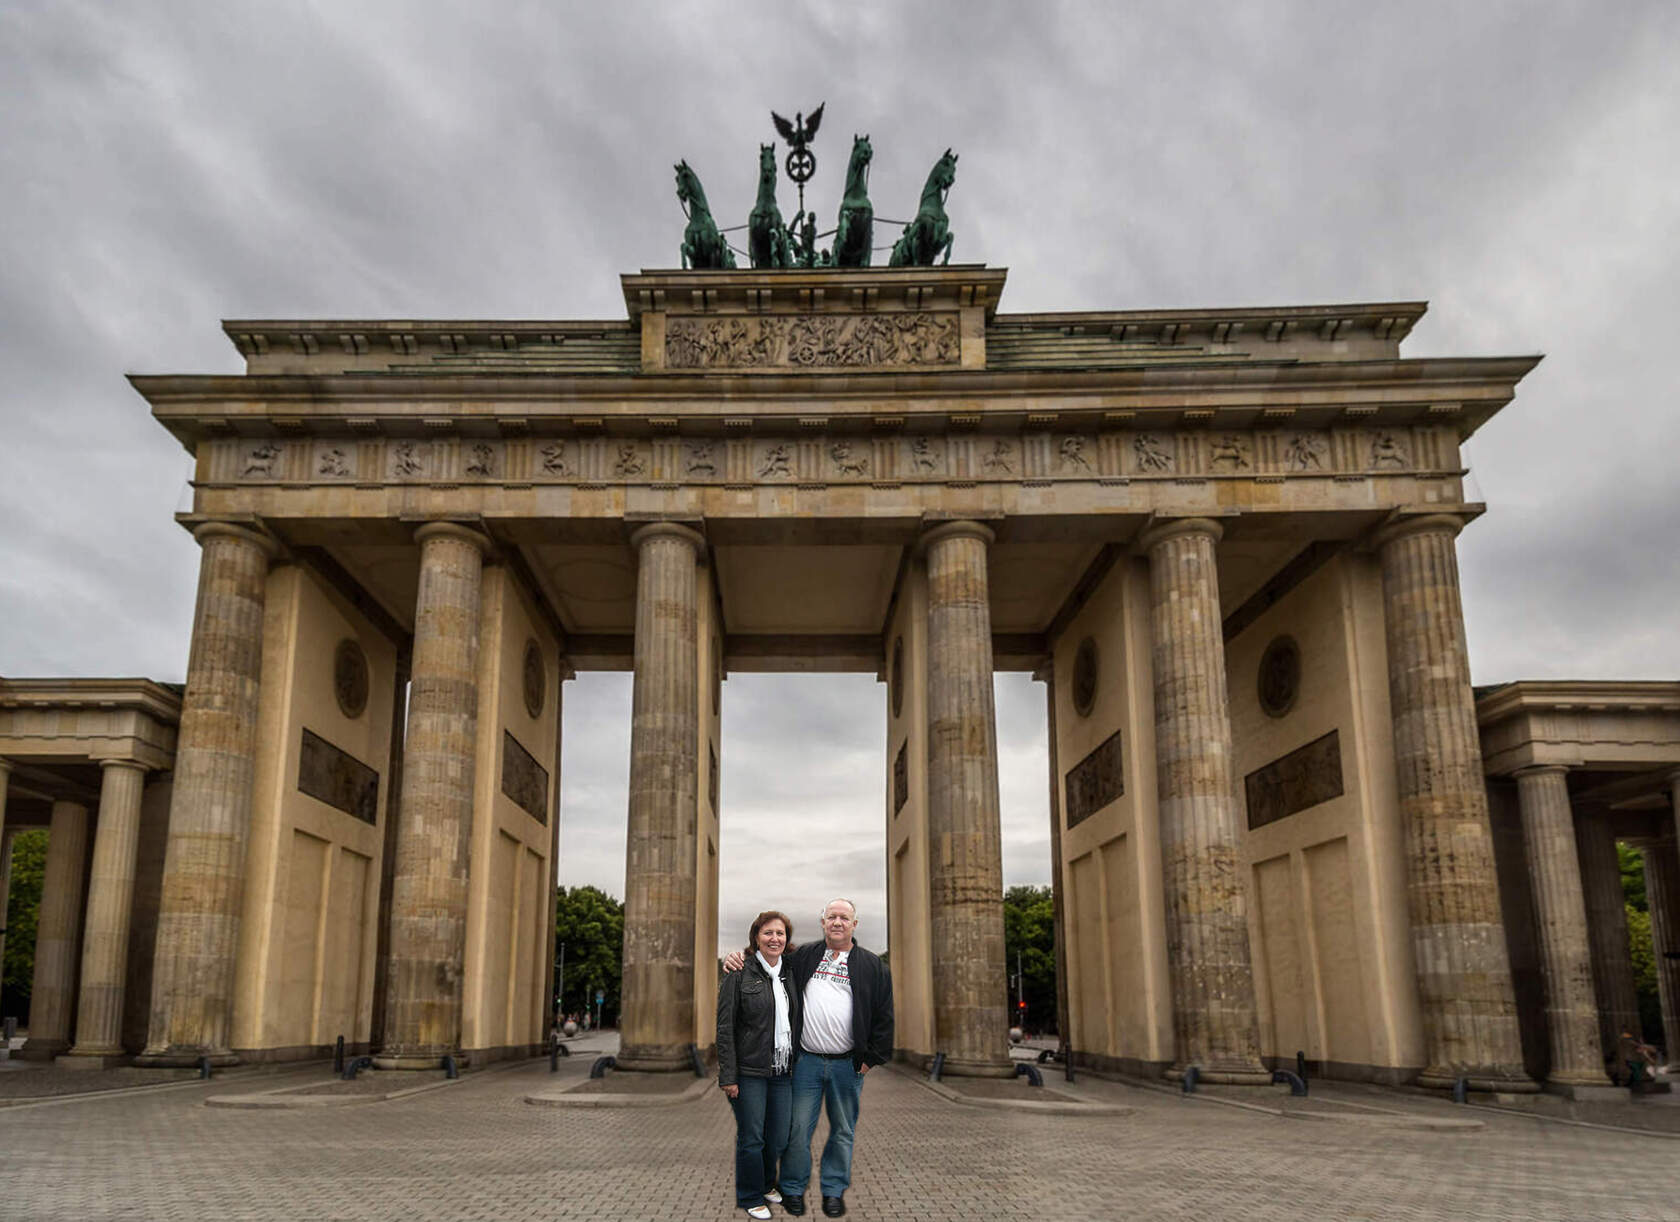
1225	539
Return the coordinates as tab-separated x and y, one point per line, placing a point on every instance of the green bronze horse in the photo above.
929	234
767	235
855	233
703	246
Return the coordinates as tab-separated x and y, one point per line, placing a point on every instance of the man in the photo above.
847	1029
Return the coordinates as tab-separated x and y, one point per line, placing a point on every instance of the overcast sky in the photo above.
167	165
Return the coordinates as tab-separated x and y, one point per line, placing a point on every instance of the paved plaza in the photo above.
476	1149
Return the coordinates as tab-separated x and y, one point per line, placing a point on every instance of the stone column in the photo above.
5	878
1215	1022
1607	931
116	841
428	934
1458	939
210	812
1662	893
1064	1034
965	871
657	1022
1554	873
57	933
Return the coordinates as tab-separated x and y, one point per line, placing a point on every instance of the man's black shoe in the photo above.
834	1207
795	1205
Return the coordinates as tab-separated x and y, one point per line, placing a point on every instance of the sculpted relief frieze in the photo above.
814	341
820	457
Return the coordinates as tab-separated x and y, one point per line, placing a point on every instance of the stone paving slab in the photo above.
477	1151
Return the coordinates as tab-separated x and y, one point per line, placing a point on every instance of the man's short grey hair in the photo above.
840	899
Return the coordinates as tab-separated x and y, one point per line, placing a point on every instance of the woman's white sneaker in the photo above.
771	1195
761	1212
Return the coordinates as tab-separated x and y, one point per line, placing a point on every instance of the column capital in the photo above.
1159	530
1539	770
1417	524
206	531
964	529
123	762
454	530
669	530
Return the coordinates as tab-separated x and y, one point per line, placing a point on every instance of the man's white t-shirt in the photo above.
828	1005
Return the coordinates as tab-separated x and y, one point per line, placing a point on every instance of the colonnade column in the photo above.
1662	894
965	874
1607	931
428	924
657	1023
116	841
1215	1021
1458	938
210	813
5	867
57	933
1554	873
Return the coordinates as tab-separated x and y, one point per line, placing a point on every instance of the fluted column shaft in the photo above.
210	813
1607	931
1554	875
116	842
1458	938
428	938
1662	894
1215	1021
58	932
657	1023
965	875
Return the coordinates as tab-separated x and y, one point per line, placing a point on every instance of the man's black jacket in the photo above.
746	1021
872	1000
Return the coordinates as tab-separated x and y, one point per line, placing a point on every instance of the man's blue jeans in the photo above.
761	1134
819	1082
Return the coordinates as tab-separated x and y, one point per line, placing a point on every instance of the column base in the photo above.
654	1058
978	1068
177	1057
1588	1092
1226	1073
419	1060
98	1058
1497	1079
41	1050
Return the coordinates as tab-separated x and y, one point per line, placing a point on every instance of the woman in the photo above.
757	1029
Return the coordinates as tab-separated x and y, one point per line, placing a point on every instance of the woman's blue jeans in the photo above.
763	1114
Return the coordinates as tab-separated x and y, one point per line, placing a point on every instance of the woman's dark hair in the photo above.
763	919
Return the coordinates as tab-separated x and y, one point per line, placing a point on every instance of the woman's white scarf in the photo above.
784	1028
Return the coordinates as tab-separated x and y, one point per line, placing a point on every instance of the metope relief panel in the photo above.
994	458
878	341
922	457
1153	454
1230	454
1096	780
1304	778
773	460
1075	457
333	462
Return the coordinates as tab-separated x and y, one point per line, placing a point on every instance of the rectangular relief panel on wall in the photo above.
337	778
1096	780
523	779
1305	777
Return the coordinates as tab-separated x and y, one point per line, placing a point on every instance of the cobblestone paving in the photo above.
475	1150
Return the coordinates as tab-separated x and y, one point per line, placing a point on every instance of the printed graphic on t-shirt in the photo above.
834	970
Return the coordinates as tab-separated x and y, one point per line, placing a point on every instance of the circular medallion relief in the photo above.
1085	677
535	678
1280	676
350	678
895	680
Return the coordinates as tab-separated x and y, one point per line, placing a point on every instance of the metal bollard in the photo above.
449	1069
694	1060
1188	1082
338	1056
1029	1071
1461	1091
1301	1066
1297	1084
602	1064
11	1028
204	1068
937	1068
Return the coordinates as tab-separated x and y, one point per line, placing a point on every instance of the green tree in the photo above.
1029	931
1640	948
23	908
591	924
